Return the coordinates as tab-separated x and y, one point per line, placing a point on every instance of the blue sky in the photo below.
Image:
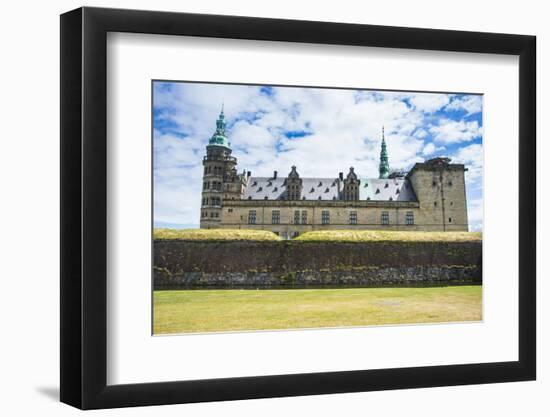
321	131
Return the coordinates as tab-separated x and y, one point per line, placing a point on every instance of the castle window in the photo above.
385	218
378	191
327	190
312	190
352	217
250	197
319	198
386	185
320	184
265	198
297	217
216	214
274	189
435	203
230	210
450	183
205	170
252	217
260	189
325	217
451	203
304	217
409	218
450	220
275	217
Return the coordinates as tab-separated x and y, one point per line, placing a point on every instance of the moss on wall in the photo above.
268	263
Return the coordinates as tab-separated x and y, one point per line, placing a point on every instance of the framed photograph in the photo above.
259	208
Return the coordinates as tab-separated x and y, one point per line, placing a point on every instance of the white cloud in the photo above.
429	103
430	149
472	157
471	104
475	215
452	131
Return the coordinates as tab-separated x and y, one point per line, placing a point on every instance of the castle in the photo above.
430	197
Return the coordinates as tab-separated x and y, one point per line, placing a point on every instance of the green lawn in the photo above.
214	234
190	311
387	236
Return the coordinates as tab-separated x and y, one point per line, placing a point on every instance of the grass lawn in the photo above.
386	236
214	234
190	311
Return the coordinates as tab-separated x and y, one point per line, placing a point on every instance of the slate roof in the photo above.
391	189
374	189
258	188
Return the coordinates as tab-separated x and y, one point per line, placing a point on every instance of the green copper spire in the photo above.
384	168
219	138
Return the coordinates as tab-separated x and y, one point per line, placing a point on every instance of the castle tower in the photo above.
293	185
351	186
220	179
440	188
384	167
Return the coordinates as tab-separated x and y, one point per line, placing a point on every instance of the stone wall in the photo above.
234	264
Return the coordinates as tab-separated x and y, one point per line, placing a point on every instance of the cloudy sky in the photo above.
321	131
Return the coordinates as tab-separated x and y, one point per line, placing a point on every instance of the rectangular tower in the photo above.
441	191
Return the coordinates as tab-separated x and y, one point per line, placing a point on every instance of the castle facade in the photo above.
430	197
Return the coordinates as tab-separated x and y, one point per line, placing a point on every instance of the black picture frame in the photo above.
84	207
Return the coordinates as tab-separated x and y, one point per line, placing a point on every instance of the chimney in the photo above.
248	174
341	176
274	175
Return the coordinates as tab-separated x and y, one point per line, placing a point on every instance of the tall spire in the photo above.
384	168
219	137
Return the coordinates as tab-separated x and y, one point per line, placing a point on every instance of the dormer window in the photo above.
320	184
